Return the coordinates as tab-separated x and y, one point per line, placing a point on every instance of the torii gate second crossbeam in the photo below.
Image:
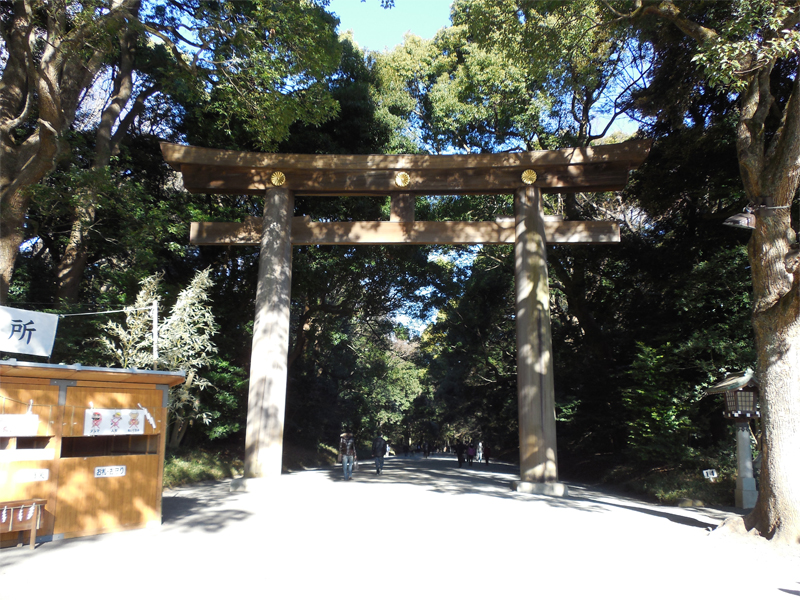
402	177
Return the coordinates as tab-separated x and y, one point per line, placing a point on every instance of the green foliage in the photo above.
470	353
658	421
250	69
757	33
184	344
184	467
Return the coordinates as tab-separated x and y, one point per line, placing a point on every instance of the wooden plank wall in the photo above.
14	398
88	505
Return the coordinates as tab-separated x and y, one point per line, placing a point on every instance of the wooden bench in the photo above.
21	515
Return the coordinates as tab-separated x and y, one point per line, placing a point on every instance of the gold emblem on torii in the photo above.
529	177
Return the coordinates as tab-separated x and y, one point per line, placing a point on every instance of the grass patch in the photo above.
193	465
665	483
183	467
297	458
675	485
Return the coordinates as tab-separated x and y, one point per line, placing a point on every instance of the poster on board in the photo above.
113	421
19	425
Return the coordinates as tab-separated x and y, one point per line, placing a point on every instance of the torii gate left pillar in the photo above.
536	403
269	357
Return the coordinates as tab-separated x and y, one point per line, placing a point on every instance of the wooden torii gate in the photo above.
402	177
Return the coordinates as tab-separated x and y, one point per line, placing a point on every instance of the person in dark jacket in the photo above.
460	453
378	452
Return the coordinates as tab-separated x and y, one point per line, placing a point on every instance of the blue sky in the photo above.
378	28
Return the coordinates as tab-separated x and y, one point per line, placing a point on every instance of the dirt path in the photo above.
422	529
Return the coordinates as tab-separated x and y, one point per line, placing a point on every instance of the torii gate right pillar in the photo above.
535	391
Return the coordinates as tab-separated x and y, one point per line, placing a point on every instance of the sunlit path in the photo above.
422	528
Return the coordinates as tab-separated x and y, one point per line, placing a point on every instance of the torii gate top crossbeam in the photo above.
598	168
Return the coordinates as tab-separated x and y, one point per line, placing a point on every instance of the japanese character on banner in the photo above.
30	512
4	516
21	512
27	332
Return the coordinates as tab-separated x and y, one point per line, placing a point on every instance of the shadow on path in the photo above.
441	474
202	505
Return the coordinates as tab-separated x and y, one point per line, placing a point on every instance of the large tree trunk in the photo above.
776	320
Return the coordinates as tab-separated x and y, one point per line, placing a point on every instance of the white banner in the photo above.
18	425
31	475
27	332
113	421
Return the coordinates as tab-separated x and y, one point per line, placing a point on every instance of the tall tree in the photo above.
749	48
257	64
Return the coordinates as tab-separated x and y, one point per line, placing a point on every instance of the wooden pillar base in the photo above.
254	484
556	489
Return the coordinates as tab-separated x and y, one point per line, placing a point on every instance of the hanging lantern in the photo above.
741	396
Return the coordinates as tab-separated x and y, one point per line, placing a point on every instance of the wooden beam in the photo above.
631	153
381	182
351	233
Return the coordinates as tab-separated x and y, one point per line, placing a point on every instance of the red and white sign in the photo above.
114	421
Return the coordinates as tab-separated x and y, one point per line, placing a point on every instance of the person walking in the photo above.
347	454
479	455
470	453
378	452
460	453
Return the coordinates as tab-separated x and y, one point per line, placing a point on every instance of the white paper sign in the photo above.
110	471
19	425
113	421
27	332
31	475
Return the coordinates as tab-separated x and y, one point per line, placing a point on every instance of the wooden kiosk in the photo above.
81	449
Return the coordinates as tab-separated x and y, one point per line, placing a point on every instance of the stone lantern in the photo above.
741	405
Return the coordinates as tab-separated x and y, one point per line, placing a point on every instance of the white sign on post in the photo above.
18	425
31	475
27	332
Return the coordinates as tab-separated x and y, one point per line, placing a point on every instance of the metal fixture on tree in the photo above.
742	220
741	405
747	218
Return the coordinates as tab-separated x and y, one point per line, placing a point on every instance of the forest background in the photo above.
640	329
